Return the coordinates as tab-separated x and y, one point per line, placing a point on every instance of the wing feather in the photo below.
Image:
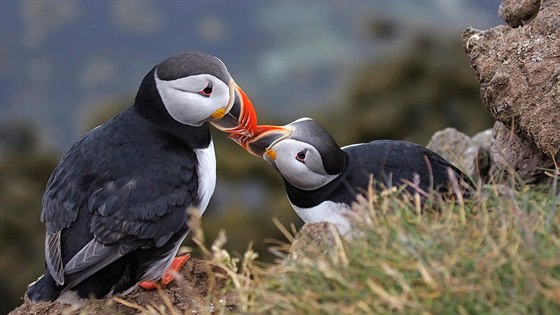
99	206
94	257
53	257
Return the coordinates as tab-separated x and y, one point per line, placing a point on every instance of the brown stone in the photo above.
510	151
518	12
519	73
315	239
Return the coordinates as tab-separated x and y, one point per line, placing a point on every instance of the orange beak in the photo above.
265	137
241	118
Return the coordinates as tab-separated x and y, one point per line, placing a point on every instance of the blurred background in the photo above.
364	69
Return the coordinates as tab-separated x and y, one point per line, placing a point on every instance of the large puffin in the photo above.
115	207
322	179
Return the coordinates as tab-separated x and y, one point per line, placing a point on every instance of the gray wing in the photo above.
61	203
94	257
53	257
128	209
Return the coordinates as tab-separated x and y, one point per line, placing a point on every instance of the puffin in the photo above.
322	180
116	208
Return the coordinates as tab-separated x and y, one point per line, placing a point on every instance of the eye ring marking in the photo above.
300	156
207	91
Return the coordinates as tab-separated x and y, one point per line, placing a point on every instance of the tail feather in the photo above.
44	289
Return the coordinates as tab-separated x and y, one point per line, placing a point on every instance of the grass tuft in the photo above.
495	253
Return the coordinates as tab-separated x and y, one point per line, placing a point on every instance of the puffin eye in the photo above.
207	90
300	156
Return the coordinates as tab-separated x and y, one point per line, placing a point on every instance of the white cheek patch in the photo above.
296	173
183	102
314	162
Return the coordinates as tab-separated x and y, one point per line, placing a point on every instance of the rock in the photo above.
483	141
200	282
471	155
518	12
315	239
511	151
519	73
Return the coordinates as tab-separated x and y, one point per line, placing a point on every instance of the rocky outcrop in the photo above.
519	71
509	149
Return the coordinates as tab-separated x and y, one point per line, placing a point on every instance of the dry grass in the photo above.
498	253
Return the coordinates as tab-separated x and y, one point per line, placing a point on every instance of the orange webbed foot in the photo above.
169	274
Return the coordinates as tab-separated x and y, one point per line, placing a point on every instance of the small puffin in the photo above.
322	179
115	207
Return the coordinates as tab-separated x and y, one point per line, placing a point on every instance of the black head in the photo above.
304	153
192	63
193	88
309	131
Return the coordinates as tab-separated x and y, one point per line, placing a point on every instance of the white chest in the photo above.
327	211
206	174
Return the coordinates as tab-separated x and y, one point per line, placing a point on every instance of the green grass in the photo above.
497	253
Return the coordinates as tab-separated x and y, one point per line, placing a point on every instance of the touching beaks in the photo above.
265	137
239	117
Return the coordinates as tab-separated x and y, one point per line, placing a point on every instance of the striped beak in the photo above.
265	138
239	119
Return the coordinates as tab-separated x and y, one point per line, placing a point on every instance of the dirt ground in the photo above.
200	291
